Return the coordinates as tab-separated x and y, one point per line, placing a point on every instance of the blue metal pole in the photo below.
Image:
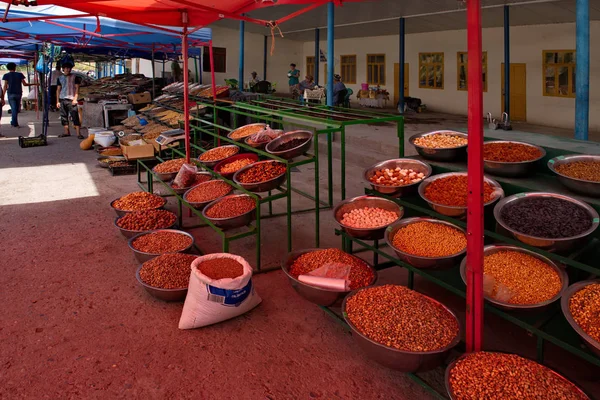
317	55
330	55
264	77
402	61
241	70
582	70
507	60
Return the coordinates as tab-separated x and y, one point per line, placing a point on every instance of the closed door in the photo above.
518	92
397	82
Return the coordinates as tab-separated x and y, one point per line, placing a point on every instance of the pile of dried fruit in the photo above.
368	217
246	131
219	153
401	318
170	166
396	177
208	191
169	271
231	207
290	144
138	201
148	220
510	152
441	141
200	178
584	170
453	191
430	239
221	268
262	172
585	308
235	166
162	242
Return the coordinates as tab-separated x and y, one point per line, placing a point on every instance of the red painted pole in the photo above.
186	93
475	181
212	70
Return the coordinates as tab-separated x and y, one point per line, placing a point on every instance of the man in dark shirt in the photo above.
13	87
67	92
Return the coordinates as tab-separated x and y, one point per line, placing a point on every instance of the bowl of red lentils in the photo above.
241	133
579	173
148	245
400	328
367	217
581	307
447	193
304	262
233	211
166	277
398	177
212	157
230	166
137	201
443	145
201	195
262	176
427	243
517	279
511	159
494	375
138	222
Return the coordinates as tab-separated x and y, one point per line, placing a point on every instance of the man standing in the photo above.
67	92
13	87
294	80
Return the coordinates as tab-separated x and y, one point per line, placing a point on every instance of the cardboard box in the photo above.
140	98
135	152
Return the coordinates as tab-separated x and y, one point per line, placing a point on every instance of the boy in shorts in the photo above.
67	93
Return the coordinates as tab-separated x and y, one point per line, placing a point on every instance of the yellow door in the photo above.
397	82
518	92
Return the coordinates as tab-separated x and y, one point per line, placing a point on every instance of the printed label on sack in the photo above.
596	220
230	298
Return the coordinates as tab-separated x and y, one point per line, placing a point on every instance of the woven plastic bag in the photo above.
210	301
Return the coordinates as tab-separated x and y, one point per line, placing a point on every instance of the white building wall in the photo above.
527	44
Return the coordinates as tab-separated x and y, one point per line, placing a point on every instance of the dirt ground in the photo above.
76	324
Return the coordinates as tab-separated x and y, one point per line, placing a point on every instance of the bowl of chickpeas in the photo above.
443	145
367	217
398	177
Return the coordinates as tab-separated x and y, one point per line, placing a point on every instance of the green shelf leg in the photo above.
540	349
270	205
317	202
330	167
288	173
411	279
258	260
400	131
343	158
375	254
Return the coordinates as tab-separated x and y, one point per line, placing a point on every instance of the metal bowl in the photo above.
231	222
261	145
512	169
444	154
143	257
230	135
183	190
264	186
420	261
588	188
591	343
456	211
165	177
453	364
401	360
316	295
361	202
200	206
296	151
488	250
129	234
211	164
403	163
121	213
219	166
159	293
558	244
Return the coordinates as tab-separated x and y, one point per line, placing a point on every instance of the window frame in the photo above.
382	65
352	66
484	71
571	70
206	59
310	66
435	64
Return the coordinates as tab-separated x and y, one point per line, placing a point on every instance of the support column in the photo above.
241	61
474	329
264	77
330	54
212	70
317	55
402	62
506	60
582	70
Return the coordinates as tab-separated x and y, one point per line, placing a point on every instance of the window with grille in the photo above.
348	69
559	73
462	76
220	58
376	69
431	70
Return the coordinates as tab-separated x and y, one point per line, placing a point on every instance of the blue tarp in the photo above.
4	61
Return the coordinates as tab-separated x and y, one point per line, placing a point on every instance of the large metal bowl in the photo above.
316	295
558	244
453	364
442	154
232	222
512	169
129	234
183	190
296	151
211	164
261	145
403	163
488	250
591	343
200	206
165	177
588	188
400	360
259	187
143	257
230	135
159	293
219	166
420	261
121	213
456	211
362	202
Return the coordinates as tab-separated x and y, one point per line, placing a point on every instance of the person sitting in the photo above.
307	83
254	79
339	91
